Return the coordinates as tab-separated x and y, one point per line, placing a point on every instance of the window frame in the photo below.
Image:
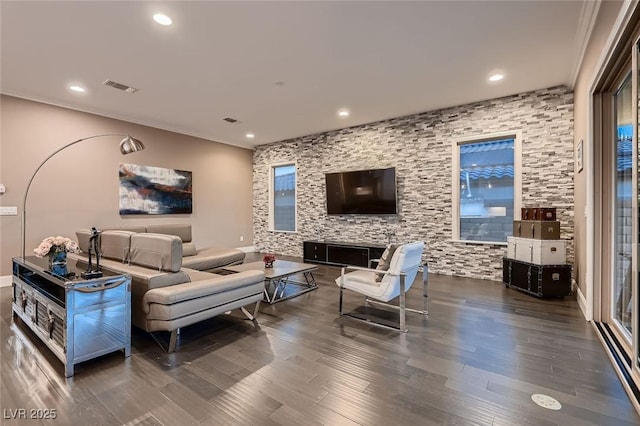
455	179
272	176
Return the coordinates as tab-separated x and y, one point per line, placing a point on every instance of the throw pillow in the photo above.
385	261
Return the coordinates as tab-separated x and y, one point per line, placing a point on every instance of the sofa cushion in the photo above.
195	275
157	251
175	310
83	236
182	230
189	249
143	278
248	282
131	228
115	244
213	257
385	261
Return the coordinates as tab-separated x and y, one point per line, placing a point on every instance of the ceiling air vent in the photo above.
230	120
120	86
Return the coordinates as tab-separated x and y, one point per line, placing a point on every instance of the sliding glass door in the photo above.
615	214
623	218
616	170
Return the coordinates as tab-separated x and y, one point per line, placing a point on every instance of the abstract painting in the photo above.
154	190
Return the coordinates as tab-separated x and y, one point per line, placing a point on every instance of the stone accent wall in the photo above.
419	146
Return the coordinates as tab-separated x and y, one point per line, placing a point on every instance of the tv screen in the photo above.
362	192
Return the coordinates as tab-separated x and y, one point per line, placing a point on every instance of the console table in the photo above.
76	318
338	253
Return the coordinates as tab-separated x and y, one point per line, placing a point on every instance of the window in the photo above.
486	188
282	191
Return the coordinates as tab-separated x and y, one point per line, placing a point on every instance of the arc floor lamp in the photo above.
128	145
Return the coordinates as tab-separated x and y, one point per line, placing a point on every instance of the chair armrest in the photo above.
360	268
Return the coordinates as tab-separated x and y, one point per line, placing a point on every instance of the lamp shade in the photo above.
129	145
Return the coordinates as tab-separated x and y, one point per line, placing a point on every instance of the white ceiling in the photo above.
222	59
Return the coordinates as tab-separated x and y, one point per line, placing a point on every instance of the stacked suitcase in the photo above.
536	256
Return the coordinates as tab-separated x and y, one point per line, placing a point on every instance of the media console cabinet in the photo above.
76	318
338	253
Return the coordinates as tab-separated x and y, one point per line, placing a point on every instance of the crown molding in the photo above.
586	23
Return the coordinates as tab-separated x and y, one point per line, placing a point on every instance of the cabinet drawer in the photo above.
315	251
52	323
342	255
114	290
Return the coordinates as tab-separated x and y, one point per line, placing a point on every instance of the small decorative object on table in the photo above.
92	273
56	248
268	260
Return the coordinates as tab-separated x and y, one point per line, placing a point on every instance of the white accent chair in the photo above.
397	280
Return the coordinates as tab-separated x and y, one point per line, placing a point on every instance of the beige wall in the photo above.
78	188
607	15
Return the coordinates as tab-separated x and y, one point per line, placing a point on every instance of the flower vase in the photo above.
58	263
268	264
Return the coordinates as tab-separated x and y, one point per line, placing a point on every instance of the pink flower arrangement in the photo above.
57	244
269	258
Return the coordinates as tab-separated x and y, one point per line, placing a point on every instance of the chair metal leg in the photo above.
425	285
403	305
341	290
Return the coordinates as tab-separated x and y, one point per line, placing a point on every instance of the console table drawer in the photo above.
45	318
112	290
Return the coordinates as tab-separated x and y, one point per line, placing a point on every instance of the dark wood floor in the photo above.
477	359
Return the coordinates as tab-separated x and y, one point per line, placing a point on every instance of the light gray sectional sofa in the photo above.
207	259
166	295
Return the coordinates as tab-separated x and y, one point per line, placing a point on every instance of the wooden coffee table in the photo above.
278	279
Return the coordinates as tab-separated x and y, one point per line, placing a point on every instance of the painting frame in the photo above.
151	190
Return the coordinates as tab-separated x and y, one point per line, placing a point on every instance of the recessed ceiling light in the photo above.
250	135
77	89
162	19
496	77
343	113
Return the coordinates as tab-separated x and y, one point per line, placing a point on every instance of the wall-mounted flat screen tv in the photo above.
362	192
